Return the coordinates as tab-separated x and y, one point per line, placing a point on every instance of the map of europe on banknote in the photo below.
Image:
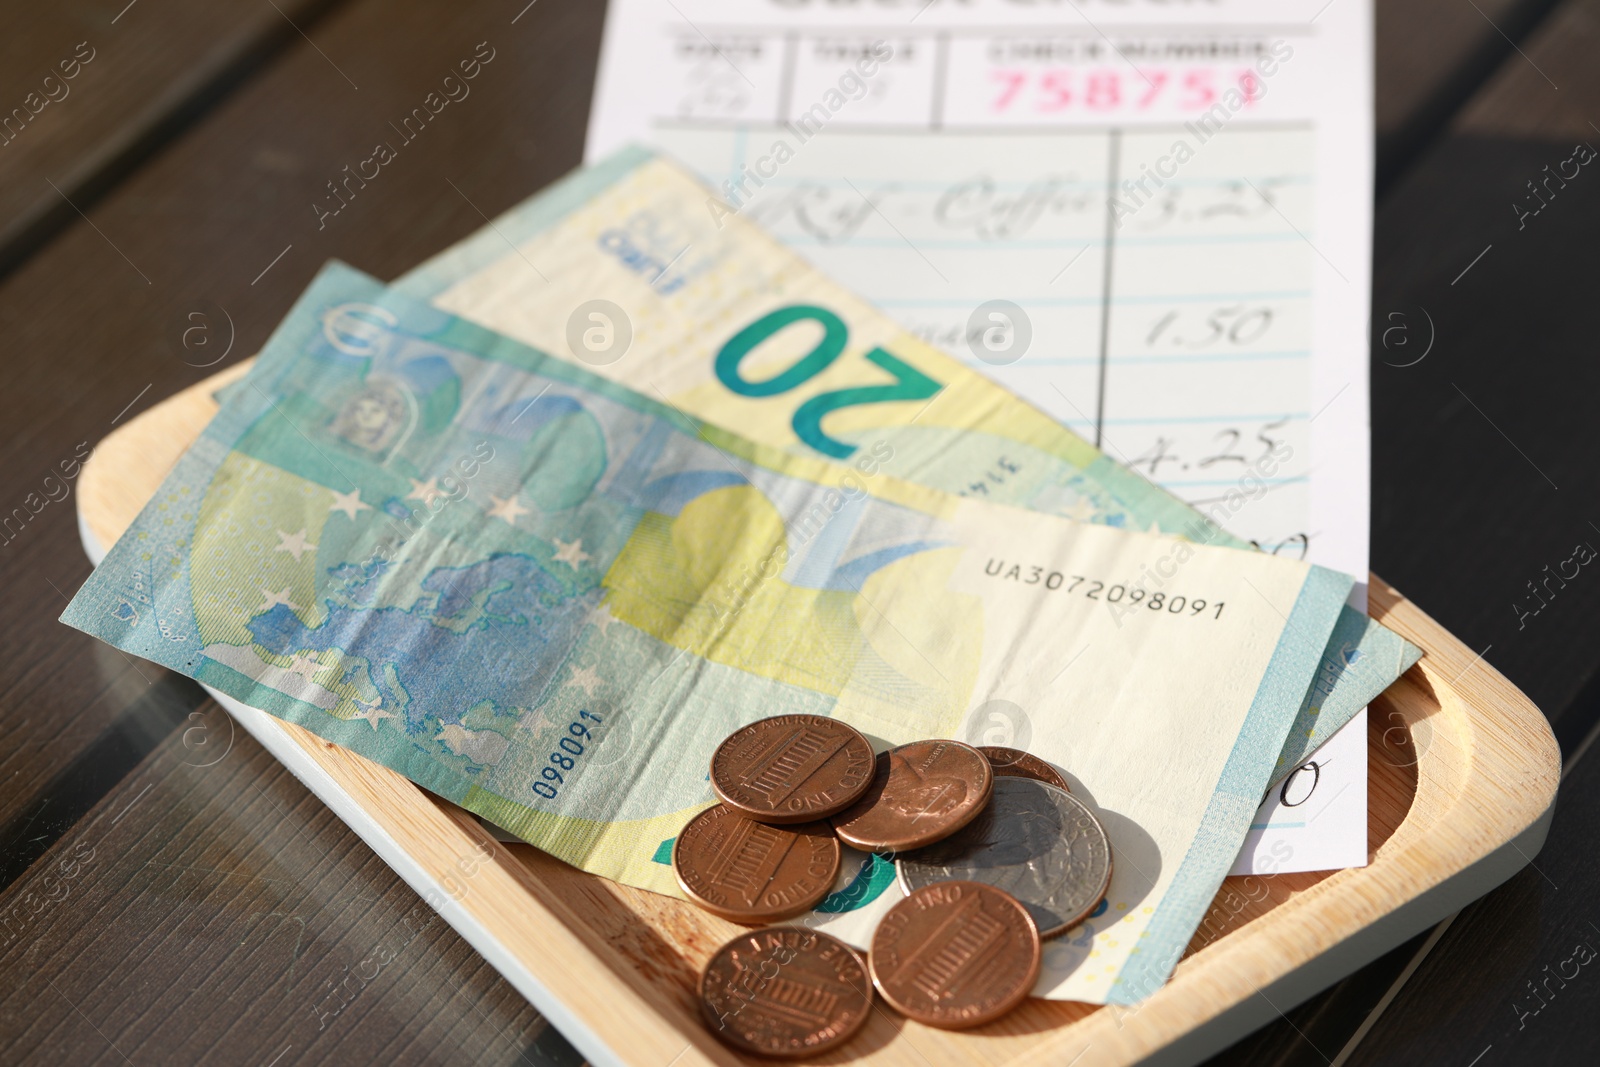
636	270
529	590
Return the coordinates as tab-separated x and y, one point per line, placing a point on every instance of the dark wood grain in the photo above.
211	910
1550	93
1313	1032
1517	347
1418	47
197	960
88	90
92	321
160	63
178	943
1484	473
1518	972
1431	57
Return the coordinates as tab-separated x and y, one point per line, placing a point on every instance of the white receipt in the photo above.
1150	218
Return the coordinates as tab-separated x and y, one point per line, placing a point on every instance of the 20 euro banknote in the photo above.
635	270
547	598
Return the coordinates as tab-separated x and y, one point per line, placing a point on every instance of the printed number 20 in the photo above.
909	383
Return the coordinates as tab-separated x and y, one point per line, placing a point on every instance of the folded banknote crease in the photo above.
547	597
635	270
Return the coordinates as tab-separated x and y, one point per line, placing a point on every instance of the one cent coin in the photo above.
749	872
1038	843
955	955
1015	763
785	991
792	768
920	793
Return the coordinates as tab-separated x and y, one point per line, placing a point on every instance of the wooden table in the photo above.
170	894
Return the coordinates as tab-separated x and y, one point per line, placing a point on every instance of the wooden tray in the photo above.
1463	784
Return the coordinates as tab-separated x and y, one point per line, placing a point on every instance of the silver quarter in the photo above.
1038	843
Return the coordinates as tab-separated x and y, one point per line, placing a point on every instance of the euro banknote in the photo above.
547	598
635	270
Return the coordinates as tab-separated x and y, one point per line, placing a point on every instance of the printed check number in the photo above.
1152	221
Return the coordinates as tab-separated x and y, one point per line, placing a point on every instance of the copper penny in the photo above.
1015	763
1039	843
956	954
749	872
785	991
921	793
792	768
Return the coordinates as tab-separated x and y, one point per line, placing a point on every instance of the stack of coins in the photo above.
992	849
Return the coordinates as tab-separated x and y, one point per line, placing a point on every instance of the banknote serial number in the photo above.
565	758
1095	589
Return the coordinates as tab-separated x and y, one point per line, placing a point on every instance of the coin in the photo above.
792	768
1015	763
785	991
955	955
750	872
920	793
1038	843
